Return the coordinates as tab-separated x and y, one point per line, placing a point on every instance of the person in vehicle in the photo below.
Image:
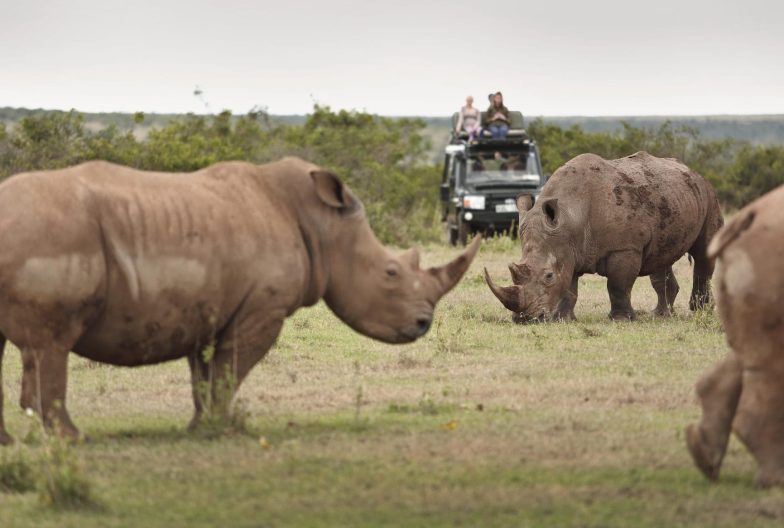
469	119
497	117
518	164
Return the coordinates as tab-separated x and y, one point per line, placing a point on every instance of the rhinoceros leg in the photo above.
5	438
27	396
703	266
666	290
718	391
239	347
700	292
759	423
44	378
623	267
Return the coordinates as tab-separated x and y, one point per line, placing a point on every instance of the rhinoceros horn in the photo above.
508	295
447	276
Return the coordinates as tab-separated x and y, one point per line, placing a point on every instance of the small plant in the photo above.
501	243
359	398
16	472
358	403
220	415
427	406
706	319
62	482
448	342
469	312
224	418
590	332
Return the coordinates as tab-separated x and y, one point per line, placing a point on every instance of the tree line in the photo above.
739	171
384	160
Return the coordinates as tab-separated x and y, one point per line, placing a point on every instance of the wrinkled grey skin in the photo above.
744	393
135	268
622	219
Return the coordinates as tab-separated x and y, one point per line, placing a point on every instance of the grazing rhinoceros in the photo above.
745	392
622	219
134	268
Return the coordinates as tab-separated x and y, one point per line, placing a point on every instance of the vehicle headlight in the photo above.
474	202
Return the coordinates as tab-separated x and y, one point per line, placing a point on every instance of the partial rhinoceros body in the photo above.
745	392
132	268
622	219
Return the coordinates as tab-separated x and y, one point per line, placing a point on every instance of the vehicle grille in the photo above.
492	201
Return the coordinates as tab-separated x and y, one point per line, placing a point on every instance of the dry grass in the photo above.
480	423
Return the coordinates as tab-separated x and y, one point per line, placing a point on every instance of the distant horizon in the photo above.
573	116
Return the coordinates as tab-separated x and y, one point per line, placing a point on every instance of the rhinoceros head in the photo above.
376	292
541	280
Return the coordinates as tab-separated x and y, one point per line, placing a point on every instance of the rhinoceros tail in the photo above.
730	232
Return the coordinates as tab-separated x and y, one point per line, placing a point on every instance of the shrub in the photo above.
62	482
16	472
384	160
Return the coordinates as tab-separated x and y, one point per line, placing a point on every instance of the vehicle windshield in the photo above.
518	167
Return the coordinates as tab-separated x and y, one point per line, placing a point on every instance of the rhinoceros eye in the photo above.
393	269
548	275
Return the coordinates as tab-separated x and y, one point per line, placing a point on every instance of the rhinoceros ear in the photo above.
331	190
550	209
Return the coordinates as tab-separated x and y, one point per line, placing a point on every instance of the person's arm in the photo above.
459	125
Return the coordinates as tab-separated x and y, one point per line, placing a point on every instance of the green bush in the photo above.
739	172
16	472
757	170
62	483
384	160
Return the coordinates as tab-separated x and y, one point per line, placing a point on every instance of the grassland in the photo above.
480	423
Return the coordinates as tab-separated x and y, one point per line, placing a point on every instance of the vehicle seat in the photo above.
515	125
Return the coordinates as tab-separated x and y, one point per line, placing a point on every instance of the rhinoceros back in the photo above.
655	205
150	265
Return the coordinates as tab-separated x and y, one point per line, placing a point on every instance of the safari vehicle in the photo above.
482	178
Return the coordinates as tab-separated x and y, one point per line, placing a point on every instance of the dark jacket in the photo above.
493	110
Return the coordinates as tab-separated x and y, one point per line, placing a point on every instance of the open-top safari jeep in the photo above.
482	178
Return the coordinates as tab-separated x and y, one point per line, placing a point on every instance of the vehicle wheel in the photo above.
463	231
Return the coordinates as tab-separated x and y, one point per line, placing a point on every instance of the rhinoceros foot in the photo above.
769	477
708	460
5	438
620	315
662	311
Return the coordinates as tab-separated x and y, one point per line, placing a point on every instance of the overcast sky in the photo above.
549	57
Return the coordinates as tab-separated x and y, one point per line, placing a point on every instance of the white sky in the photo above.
549	57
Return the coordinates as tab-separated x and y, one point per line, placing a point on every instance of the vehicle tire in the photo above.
463	232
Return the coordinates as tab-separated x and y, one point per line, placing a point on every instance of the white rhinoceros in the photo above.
134	268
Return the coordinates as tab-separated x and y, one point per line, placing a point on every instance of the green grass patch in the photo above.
479	423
